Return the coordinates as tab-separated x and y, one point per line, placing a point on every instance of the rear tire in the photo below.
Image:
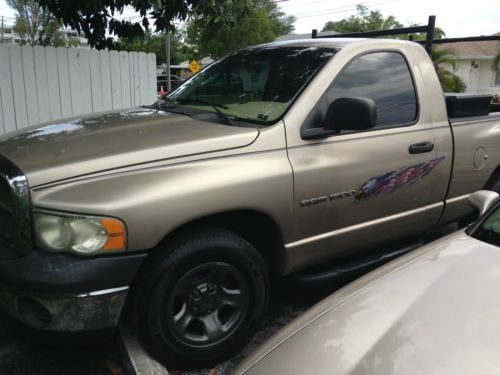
201	299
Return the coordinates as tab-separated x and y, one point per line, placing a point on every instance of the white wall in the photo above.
40	84
478	78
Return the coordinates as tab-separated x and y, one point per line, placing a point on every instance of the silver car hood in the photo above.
80	146
435	311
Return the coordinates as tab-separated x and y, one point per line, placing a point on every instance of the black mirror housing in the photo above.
354	113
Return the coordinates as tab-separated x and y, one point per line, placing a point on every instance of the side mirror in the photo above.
356	113
483	200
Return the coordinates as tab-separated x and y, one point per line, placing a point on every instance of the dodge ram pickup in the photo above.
277	158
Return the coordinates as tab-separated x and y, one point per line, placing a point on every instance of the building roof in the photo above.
473	49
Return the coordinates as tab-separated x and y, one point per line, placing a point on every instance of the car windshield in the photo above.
254	85
489	230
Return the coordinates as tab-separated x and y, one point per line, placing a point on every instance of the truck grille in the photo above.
15	212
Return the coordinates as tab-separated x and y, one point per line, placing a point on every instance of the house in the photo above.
474	64
8	35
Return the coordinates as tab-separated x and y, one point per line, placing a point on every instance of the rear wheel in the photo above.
201	299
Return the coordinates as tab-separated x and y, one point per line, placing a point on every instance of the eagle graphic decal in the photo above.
392	181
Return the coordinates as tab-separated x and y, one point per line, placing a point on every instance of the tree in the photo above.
371	20
98	18
260	23
443	60
34	24
364	20
155	43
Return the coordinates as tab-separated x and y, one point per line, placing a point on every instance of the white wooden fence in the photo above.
40	84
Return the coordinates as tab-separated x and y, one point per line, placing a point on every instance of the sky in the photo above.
456	18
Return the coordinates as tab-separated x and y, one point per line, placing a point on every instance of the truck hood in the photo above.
437	314
80	146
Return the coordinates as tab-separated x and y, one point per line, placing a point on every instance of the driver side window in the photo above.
385	78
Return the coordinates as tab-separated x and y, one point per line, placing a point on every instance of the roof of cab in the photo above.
326	42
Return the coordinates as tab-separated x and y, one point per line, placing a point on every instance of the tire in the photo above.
201	299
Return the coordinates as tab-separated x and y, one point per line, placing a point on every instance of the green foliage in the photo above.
371	20
496	61
36	25
255	22
442	57
97	18
73	42
450	82
156	43
364	20
443	60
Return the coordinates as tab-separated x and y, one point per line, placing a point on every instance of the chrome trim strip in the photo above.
457	199
360	226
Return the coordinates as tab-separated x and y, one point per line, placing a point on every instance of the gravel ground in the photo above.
26	352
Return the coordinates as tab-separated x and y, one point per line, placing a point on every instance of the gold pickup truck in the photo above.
272	160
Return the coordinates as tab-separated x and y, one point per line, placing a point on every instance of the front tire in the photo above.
201	299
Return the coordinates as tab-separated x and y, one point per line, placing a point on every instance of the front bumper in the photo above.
60	292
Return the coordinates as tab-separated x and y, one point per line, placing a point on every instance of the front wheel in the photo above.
201	299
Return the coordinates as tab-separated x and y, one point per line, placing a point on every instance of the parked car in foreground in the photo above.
433	311
277	158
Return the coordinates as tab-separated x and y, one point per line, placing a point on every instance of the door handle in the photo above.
420	148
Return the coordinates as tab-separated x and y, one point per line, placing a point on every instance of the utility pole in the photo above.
169	84
1	37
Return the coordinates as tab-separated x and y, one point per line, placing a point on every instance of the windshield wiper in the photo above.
221	115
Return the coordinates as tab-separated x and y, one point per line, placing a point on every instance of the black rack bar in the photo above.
466	39
363	34
428	29
430	34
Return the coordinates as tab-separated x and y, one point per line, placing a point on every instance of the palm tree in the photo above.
443	60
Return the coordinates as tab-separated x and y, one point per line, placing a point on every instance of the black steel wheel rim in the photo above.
208	304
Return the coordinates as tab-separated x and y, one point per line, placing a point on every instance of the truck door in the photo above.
354	190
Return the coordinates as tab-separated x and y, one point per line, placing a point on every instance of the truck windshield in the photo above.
254	85
489	230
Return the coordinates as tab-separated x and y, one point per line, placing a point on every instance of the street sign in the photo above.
194	66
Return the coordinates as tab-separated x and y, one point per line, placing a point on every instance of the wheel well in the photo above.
257	228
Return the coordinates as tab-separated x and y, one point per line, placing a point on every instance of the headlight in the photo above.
81	235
